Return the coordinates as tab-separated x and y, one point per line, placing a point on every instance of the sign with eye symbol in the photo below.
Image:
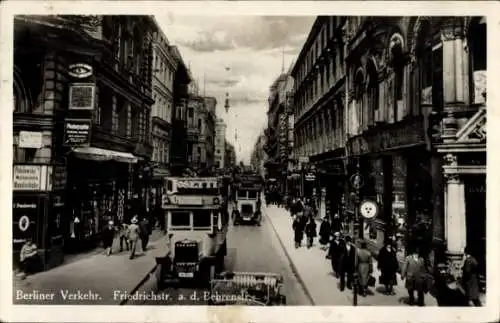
80	70
368	209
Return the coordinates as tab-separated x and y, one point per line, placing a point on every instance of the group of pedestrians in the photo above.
304	222
128	234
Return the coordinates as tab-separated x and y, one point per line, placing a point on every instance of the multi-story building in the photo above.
179	142
319	111
277	145
164	68
220	143
210	118
230	156
258	157
82	140
417	111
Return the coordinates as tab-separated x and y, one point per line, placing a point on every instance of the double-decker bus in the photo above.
197	225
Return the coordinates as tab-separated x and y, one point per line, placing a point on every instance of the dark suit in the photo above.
347	266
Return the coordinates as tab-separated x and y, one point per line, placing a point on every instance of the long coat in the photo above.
311	229
298	229
325	231
347	261
107	236
388	265
365	266
414	271
469	278
134	232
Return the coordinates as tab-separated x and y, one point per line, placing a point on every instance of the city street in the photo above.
251	249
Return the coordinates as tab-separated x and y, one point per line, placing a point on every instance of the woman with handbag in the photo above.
364	268
388	265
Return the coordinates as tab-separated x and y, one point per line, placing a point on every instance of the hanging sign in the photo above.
30	139
357	181
29	177
77	132
80	70
368	209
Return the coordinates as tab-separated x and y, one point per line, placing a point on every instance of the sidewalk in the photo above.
315	273
100	279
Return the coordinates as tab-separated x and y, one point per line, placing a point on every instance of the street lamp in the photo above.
356	182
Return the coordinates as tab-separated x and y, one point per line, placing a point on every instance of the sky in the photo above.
240	55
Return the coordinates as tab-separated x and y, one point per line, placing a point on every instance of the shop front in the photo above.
99	183
395	170
36	214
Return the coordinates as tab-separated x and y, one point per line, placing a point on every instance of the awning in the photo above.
99	154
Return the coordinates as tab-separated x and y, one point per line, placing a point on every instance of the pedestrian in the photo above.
336	253
347	264
388	265
364	268
310	232
123	235
414	272
470	282
28	257
325	231
298	230
336	223
107	236
144	233
134	233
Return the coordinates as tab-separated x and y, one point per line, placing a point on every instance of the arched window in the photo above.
358	96
478	55
21	99
397	62
373	93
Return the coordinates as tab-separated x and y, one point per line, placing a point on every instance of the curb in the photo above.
292	265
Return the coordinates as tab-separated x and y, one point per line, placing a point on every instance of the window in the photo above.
373	94
191	112
199	124
122	109
252	194
202	219
180	219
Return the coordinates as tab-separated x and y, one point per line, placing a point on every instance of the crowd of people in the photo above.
351	261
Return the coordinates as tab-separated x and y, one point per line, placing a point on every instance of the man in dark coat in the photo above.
347	264
325	231
144	233
388	265
470	282
298	229
107	236
336	253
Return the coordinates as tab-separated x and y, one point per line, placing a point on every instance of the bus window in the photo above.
202	219
252	195
180	219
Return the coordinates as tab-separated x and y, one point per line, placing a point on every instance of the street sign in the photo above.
368	209
357	181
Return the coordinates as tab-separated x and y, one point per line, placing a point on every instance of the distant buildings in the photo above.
220	143
230	156
259	157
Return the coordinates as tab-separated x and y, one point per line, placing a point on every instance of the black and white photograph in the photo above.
178	158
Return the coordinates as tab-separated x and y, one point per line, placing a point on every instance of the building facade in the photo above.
401	103
164	68
258	157
230	156
82	141
220	143
277	146
319	113
210	119
179	141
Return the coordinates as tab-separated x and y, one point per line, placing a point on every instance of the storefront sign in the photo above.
24	215
29	177
399	135
77	132
80	70
30	139
59	177
82	96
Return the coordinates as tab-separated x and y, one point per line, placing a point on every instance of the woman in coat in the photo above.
388	265
310	232
108	235
325	231
298	229
415	273
469	278
364	268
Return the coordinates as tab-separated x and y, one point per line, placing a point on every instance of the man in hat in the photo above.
347	264
335	253
134	232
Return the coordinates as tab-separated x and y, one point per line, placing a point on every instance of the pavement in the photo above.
314	271
95	279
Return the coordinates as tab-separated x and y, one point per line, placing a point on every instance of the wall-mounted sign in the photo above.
80	70
29	177
356	181
77	132
30	139
368	209
310	177
82	96
24	223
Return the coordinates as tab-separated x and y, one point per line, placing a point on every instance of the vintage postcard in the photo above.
249	161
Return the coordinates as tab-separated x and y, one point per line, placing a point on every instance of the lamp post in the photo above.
357	182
